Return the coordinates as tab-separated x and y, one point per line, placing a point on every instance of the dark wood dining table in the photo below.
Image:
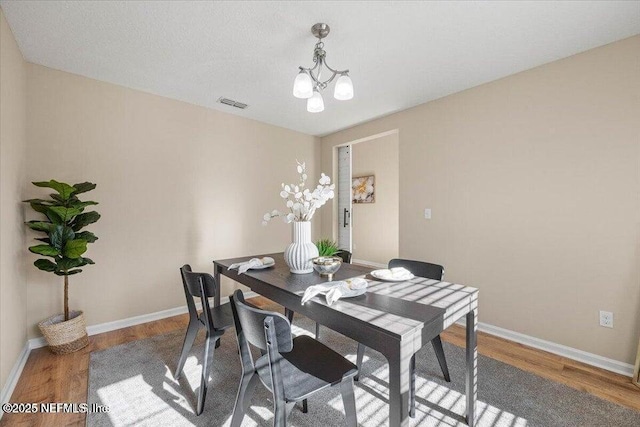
395	318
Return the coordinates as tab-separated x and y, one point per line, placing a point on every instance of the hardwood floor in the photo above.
51	378
599	382
63	378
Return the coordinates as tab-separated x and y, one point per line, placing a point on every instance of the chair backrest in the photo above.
419	268
345	255
192	282
250	325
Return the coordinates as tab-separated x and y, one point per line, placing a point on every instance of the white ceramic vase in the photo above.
302	250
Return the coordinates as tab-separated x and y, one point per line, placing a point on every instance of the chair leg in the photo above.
437	347
361	348
248	385
290	406
207	362
282	410
305	406
349	401
289	314
317	330
189	338
412	387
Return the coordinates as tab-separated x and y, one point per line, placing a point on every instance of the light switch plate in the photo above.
427	214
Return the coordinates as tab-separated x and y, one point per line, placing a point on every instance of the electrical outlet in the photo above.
427	214
606	319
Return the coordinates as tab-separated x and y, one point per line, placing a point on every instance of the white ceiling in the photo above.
400	54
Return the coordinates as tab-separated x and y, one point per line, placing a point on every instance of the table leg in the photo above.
399	385
472	365
216	297
216	277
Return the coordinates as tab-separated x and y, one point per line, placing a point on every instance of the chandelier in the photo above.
309	84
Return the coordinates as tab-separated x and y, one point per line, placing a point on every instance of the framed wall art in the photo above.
364	189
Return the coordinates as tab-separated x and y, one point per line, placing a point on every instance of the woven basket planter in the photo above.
65	337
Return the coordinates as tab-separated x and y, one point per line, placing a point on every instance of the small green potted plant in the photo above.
63	245
327	247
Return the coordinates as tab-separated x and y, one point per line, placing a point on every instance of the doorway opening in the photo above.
368	202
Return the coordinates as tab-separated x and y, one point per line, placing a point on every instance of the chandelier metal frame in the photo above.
309	82
319	54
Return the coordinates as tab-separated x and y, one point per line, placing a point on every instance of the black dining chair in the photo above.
215	320
345	255
293	369
429	271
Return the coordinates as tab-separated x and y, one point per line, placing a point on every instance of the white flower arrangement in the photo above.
301	201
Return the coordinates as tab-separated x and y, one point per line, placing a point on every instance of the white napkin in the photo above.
396	273
252	263
333	291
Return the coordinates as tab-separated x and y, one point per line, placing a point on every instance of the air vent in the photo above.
232	103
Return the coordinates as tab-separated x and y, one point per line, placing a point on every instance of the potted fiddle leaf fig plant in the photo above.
63	245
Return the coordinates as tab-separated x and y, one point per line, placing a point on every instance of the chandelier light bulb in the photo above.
302	85
344	88
315	104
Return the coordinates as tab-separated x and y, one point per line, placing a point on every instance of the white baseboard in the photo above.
612	365
368	263
14	375
132	321
119	324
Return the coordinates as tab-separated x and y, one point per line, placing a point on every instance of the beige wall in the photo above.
375	235
534	182
177	184
13	86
